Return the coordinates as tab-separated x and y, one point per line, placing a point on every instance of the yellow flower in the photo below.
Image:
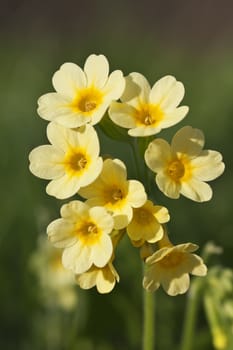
113	191
103	278
170	266
71	161
145	110
82	96
183	167
84	234
146	223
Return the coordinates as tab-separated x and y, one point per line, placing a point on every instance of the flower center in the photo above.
116	195
176	170
86	106
88	233
142	216
148	114
171	260
87	100
75	161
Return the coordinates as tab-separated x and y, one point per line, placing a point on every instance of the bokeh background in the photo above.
191	40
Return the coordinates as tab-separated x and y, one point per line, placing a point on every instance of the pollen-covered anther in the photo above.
176	170
92	229
86	105
117	195
148	120
78	161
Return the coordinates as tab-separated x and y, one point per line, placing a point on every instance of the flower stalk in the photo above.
149	320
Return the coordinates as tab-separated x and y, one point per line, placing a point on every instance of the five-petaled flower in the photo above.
71	161
103	278
84	234
82	96
184	166
170	266
146	111
146	223
113	191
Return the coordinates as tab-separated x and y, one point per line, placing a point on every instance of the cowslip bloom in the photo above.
183	167
146	223
82	96
113	191
71	161
84	234
170	267
146	111
103	278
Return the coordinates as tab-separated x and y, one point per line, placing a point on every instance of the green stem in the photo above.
192	307
149	320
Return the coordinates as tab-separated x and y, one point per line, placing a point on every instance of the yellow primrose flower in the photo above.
103	278
146	223
71	161
113	191
145	110
170	266
183	167
84	234
82	96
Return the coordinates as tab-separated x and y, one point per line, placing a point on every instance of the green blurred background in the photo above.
191	40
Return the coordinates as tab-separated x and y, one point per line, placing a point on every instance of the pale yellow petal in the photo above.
136	194
52	105
101	252
161	214
97	69
73	210
174	285
105	281
196	190
131	91
197	267
45	162
122	114
88	139
63	187
87	279
169	187
122	217
61	137
77	258
61	233
98	113
72	119
189	141
137	89
167	92
115	85
173	117
208	165
143	131
151	280
157	155
68	79
114	172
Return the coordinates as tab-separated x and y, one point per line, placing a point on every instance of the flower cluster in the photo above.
111	205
